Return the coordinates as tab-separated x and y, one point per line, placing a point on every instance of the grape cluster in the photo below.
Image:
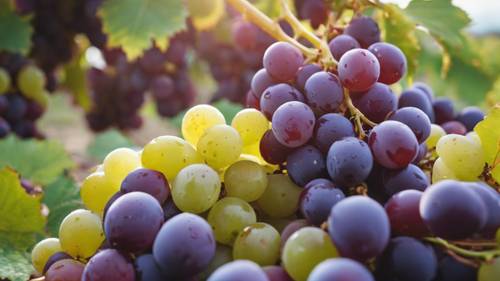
23	96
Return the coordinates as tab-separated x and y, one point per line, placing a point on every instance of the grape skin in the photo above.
198	119
276	273
147	269
276	95
282	61
272	150
220	146
304	73
148	181
340	269
305	164
293	124
415	97
42	251
317	200
364	29
410	177
443	110
107	265
281	197
246	180
241	270
260	82
404	215
416	119
470	116
376	103
65	270
341	44
258	242
55	258
392	62
358	70
81	233
330	128
324	93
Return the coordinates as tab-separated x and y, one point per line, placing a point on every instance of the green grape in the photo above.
42	252
246	180
96	190
81	233
119	163
223	255
281	197
251	124
4	81
441	172
258	242
306	248
198	119
464	156
436	133
220	146
196	188
31	81
169	154
228	217
489	271
205	14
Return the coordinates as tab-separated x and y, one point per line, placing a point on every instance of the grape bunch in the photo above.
23	96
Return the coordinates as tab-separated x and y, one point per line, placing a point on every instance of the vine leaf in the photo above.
489	133
106	142
133	24
39	161
15	31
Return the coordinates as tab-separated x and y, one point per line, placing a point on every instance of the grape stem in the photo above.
357	115
484	255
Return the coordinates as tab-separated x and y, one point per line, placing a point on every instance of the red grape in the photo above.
358	70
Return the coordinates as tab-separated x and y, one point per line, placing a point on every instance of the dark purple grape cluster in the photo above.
316	11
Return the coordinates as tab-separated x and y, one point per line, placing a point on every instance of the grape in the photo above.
244	34
364	29
163	87
491	200
147	269
470	116
306	248
462	155
451	210
65	270
282	61
317	200
397	264
330	128
324	93
454	127
340	269
272	150
416	119
170	210
132	222
241	270
453	270
96	190
349	162
393	144
281	197
341	44
443	110
198	119
376	103
290	229
441	172
304	73
119	163
245	180
276	95
196	188
355	221
169	154
258	242
184	246
305	164
358	70
107	265
404	215
80	233
416	98
392	62
315	11
5	82
293	124
220	146
410	177
42	251
436	133
276	273
260	82
251	124
31	81
149	181
426	89
223	255
17	108
228	217
252	101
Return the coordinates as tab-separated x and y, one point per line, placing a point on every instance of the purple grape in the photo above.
452	210
282	61
4	104
241	270
110	202
33	111
404	215
293	124
244	34
330	128
132	222
276	95
65	270
17	108
290	229
107	265
341	44
324	93
340	269
304	73
316	202
491	200
364	29
470	116
315	11
422	151
392	62
24	128
416	120
358	70
443	110
170	210
319	181
55	258
416	98
260	82
355	221
149	181
393	144
252	101
305	164
429	93
184	246
452	270
454	127
376	103
147	269
162	87
410	177
4	128
276	273
272	150
349	162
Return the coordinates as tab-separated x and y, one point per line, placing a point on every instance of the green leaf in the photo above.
61	197
15	32
15	263
40	161
134	24
106	142
489	133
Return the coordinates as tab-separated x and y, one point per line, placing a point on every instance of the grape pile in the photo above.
23	96
325	179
